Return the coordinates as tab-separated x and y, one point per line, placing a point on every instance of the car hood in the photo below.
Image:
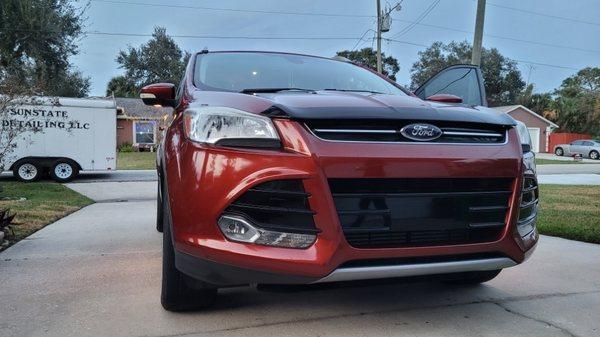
332	105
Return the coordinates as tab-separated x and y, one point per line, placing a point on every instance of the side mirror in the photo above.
160	94
444	98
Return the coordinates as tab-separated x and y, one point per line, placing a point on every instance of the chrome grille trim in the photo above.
356	131
472	134
366	131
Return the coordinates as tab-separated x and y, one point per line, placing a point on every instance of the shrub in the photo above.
5	225
126	147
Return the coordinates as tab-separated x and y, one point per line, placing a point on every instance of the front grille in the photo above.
280	205
389	131
389	213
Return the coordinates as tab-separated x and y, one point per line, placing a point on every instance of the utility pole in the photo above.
384	23
379	17
478	37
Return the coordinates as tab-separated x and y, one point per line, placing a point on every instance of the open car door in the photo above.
464	81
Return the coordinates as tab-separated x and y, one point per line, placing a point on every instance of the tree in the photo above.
120	86
368	57
37	39
12	94
503	82
578	102
158	60
541	103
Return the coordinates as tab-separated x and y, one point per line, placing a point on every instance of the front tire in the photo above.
63	170
594	155
27	171
159	206
179	291
473	277
559	152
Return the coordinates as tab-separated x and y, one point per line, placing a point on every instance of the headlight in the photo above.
529	167
229	127
524	136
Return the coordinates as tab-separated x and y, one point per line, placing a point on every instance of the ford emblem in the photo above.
421	132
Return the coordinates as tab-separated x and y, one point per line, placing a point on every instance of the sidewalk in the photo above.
569	179
552	156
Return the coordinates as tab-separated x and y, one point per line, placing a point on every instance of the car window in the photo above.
237	71
588	144
577	142
461	81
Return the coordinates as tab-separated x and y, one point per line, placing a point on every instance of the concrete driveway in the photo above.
104	176
97	273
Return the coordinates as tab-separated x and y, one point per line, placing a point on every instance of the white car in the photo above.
588	148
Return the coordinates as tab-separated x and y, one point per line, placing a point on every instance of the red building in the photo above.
138	124
539	127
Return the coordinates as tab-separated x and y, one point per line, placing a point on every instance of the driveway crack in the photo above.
538	320
482	301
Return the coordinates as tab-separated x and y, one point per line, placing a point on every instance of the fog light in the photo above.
239	229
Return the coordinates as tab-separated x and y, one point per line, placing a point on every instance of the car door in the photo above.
464	81
576	147
587	147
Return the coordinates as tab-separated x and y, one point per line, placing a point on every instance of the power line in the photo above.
419	19
412	24
227	9
545	64
98	33
516	60
257	11
504	37
242	37
405	42
362	38
543	14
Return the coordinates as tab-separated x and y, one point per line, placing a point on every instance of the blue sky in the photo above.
565	44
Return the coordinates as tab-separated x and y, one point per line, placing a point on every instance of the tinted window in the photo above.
588	143
238	71
462	82
577	142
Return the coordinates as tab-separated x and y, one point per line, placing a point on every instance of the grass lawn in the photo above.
44	203
570	212
136	160
540	161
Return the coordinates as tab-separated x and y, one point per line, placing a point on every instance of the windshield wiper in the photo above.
267	90
355	90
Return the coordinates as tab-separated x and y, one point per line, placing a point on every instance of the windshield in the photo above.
239	71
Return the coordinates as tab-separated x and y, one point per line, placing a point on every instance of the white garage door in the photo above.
535	139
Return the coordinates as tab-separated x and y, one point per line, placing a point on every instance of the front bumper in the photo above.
227	275
204	181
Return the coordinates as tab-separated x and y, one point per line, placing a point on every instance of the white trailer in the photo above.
64	136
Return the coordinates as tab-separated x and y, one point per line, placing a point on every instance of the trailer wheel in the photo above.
27	170
63	170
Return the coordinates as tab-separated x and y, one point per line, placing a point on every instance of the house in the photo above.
139	124
539	127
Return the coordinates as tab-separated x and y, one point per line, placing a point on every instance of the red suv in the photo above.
282	168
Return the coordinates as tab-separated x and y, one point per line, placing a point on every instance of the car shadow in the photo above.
362	296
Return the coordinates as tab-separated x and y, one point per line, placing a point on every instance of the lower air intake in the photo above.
390	213
280	205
